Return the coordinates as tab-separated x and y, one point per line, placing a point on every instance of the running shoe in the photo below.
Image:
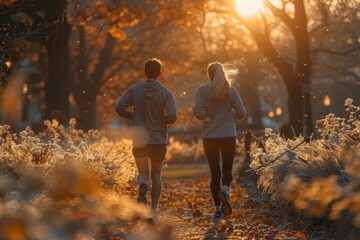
218	215
153	218
225	202
142	193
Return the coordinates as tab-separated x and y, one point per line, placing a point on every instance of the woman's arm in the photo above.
199	108
239	110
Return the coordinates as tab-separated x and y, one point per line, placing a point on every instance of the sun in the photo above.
248	7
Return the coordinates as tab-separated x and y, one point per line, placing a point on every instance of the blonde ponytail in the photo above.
219	79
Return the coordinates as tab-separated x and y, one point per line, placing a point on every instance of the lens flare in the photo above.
248	7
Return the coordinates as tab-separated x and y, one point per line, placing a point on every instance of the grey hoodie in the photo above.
154	108
218	116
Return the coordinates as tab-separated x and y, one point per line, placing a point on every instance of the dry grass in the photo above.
322	177
65	184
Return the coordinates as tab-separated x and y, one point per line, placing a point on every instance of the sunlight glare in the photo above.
248	7
277	3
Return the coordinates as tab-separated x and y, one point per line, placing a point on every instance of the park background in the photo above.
75	59
64	151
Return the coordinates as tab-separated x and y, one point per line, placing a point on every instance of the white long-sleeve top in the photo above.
218	115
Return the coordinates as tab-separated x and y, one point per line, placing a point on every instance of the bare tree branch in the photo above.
202	36
341	72
324	18
14	7
281	14
329	51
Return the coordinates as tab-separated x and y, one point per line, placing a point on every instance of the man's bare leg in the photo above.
156	184
143	169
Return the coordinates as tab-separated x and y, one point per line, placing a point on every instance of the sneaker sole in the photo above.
218	218
225	206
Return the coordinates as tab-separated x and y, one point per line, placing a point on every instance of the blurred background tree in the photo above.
284	31
44	22
284	56
99	49
295	72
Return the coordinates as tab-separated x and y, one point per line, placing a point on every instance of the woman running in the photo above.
219	105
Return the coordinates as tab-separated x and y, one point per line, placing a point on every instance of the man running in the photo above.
153	109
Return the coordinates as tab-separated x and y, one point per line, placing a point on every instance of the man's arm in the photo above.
199	108
239	109
122	106
170	109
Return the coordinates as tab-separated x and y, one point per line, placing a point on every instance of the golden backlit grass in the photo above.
64	183
322	177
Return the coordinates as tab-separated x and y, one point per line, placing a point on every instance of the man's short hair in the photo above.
152	68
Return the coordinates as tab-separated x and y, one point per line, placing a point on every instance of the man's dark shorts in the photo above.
156	152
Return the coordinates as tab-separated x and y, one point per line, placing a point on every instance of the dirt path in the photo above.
187	207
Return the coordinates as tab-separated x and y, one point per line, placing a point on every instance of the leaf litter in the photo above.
186	208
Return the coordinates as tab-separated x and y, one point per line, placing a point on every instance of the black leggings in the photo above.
213	147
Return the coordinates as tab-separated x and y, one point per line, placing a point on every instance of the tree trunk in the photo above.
86	111
295	99
296	78
303	62
250	95
57	84
255	107
295	106
87	86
